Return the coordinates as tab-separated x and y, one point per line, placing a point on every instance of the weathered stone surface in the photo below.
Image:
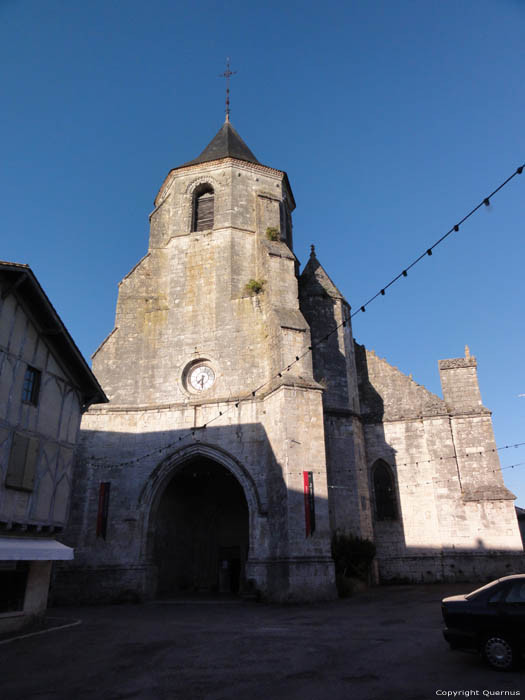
231	298
448	483
188	301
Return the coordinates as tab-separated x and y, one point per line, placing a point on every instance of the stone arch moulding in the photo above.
155	486
189	195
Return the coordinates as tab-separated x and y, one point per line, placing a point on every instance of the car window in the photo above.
498	596
473	594
516	593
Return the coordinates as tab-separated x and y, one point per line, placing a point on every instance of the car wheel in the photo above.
498	652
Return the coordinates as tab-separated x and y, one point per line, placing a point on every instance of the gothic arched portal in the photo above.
201	531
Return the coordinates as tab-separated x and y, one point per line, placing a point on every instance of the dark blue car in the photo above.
490	620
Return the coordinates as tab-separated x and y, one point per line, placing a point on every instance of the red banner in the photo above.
309	503
103	508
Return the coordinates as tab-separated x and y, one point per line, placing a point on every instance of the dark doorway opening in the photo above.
202	532
13	583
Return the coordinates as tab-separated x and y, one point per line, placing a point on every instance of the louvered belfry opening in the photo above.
203	210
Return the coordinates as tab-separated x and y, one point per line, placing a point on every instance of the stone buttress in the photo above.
328	315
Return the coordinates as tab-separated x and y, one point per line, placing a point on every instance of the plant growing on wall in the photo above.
273	233
254	287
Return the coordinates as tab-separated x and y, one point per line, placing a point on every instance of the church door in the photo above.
201	534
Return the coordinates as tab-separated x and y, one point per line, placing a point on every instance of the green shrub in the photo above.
353	558
255	286
273	233
345	586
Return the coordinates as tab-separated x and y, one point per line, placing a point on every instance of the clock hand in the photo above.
201	382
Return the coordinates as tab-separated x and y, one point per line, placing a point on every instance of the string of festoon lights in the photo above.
421	462
234	403
435	481
466	455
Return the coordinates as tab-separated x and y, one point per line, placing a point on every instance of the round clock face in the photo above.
201	378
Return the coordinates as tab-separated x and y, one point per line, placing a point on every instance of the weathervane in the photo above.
226	75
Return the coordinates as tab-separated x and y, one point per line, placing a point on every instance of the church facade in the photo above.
245	425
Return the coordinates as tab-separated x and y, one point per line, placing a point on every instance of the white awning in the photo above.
33	549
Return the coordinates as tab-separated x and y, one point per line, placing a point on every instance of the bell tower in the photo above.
218	281
207	353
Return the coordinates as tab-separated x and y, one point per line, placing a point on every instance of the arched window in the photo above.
203	205
384	492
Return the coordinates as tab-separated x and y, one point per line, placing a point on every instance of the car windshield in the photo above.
473	594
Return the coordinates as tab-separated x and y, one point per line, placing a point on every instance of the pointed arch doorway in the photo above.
201	531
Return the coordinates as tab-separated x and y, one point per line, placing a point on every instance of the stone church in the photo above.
241	432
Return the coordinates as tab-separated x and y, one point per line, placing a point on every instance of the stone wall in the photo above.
188	298
274	410
265	452
334	367
456	516
187	301
450	568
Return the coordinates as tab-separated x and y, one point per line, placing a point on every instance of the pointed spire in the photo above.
314	279
226	144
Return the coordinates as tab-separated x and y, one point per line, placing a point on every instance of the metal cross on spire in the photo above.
226	75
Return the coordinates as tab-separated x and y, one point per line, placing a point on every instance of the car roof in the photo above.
491	584
511	576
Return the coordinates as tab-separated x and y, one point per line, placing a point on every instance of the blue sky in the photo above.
392	120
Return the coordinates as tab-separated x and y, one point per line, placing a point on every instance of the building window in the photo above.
31	387
23	457
384	492
203	206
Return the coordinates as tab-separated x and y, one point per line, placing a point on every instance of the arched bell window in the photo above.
203	206
384	491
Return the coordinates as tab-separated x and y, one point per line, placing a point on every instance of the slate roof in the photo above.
314	280
19	279
226	144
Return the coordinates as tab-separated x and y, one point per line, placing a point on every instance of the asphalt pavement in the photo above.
383	644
